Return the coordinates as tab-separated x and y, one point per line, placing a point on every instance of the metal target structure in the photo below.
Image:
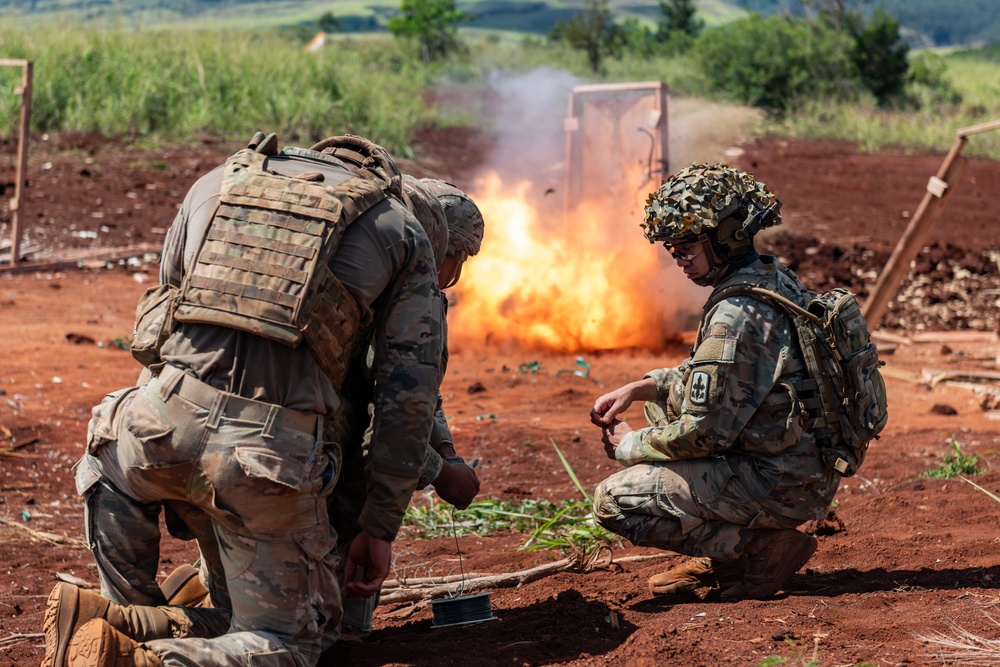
613	132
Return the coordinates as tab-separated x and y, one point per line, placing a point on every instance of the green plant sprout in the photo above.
955	464
568	525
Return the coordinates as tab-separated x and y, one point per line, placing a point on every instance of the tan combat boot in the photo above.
773	556
183	588
696	573
69	607
98	644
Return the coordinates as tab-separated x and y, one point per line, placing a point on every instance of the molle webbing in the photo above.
263	265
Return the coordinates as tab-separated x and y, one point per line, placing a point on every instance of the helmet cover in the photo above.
363	157
465	222
696	199
428	211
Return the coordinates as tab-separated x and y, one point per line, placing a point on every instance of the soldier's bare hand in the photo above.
612	435
457	484
372	554
613	403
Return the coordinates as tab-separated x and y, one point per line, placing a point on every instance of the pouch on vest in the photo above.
154	322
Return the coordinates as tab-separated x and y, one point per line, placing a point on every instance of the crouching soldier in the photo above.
729	464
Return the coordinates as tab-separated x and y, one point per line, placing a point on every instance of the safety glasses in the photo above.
685	251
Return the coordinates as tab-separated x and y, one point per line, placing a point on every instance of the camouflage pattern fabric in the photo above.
465	222
726	449
429	213
352	429
282	585
253	485
696	198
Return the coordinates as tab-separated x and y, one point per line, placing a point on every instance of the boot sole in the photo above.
94	646
792	565
60	617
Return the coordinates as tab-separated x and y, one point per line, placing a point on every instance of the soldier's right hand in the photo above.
372	554
456	484
613	403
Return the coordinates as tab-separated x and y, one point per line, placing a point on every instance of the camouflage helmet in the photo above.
364	157
698	198
429	212
465	222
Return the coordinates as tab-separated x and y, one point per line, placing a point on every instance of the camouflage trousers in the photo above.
347	502
263	484
696	507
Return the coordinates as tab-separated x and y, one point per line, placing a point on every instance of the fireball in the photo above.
583	281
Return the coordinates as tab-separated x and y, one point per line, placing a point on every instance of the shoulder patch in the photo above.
701	383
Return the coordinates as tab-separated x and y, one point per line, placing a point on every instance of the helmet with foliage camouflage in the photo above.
699	198
465	222
429	213
365	157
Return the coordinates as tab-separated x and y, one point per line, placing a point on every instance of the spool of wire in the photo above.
462	610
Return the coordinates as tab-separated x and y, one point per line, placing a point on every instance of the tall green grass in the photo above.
223	84
182	84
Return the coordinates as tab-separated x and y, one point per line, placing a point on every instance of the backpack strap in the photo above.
793	308
819	403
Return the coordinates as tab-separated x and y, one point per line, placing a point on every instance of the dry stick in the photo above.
502	580
52	538
17	638
505	580
417	582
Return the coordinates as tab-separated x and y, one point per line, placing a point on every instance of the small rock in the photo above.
943	409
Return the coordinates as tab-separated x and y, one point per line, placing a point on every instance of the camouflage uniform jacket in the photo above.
386	263
731	398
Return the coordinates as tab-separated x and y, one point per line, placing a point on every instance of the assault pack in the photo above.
846	396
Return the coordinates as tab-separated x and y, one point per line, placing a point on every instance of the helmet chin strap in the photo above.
716	267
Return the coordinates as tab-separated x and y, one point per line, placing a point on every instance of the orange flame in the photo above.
588	283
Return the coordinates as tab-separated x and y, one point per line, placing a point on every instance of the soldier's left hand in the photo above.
612	435
457	484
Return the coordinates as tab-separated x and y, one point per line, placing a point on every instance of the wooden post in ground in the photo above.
17	203
939	189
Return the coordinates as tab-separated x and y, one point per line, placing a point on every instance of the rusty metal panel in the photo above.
616	140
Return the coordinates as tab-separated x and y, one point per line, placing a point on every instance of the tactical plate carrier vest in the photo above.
263	263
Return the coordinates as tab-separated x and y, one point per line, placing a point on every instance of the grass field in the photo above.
182	84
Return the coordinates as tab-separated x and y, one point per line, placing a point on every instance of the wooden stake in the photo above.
939	189
17	203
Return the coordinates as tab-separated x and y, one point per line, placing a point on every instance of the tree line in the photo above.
826	49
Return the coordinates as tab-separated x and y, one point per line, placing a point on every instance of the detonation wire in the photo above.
458	548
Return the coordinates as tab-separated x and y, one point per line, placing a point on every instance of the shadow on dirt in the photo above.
849	581
553	631
842	582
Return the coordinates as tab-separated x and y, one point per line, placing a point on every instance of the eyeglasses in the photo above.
685	251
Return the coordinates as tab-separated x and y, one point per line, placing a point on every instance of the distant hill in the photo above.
924	22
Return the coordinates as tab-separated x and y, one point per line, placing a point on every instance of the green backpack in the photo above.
850	405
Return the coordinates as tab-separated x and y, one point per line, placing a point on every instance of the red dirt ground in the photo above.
913	555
